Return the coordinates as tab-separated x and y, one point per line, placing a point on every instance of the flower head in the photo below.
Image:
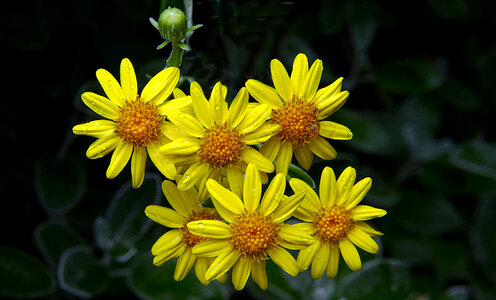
179	241
336	222
215	142
299	107
135	123
253	230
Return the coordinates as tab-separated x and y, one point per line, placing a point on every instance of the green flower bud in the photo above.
172	25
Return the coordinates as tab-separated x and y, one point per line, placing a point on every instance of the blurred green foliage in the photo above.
421	105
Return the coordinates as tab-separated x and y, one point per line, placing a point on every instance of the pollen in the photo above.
221	146
254	234
298	120
139	123
332	224
190	239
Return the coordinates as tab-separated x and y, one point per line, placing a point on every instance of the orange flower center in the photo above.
190	239
139	123
332	224
221	146
298	120
253	234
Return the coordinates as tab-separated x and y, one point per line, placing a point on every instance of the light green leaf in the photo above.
297	172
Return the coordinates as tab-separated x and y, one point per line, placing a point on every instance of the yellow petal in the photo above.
311	199
165	216
178	104
112	88
252	188
182	205
281	80
304	156
271	147
210	228
181	146
332	104
184	264
322	148
273	195
333	264
226	202
138	164
237	110
283	158
299	73
192	175
241	272
119	159
365	212
218	103
128	80
263	93
327	92
187	123
327	187
320	260
287	207
283	259
344	185
164	256
210	247
250	155
358	192
258	274
363	240
334	131
222	263
350	254
305	256
254	118
97	128
201	106
163	163
103	146
160	86
235	180
296	234
367	229
312	80
261	134
167	241
101	105
201	266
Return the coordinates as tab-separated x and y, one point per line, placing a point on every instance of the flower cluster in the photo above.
207	148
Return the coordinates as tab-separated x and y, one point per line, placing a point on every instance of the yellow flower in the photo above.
299	107
335	222
254	231
214	142
179	241
135	122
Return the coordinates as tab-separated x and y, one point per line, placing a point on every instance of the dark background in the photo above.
421	107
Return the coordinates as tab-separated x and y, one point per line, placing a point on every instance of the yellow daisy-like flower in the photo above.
336	222
135	122
254	231
179	241
215	141
300	108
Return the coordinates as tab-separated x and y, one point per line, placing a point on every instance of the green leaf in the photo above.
53	238
81	274
297	172
478	157
148	281
125	221
482	236
409	76
378	279
23	275
59	184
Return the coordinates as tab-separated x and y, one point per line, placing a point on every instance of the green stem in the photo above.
176	57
